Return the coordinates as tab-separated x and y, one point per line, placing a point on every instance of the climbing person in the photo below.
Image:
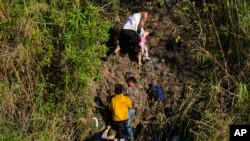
133	93
129	39
143	54
119	106
109	134
132	90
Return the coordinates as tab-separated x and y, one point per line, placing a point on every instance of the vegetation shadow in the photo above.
113	40
103	110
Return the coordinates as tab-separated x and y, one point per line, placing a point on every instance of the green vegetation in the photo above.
50	52
219	41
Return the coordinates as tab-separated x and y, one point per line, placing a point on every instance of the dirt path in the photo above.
169	68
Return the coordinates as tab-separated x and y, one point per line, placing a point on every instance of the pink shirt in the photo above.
143	39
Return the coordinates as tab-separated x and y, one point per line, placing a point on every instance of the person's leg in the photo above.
117	128
130	133
134	39
129	124
125	43
146	52
139	57
135	47
117	49
123	131
141	54
142	48
131	114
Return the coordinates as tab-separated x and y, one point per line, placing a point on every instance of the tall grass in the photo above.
219	42
49	53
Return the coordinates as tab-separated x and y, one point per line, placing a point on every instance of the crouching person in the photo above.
119	106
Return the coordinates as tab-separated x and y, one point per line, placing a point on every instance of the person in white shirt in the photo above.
129	39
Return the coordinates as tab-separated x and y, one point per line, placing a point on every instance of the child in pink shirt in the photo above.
143	45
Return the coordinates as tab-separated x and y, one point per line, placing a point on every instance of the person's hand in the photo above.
142	31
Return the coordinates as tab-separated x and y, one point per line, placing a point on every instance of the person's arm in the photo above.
129	103
144	16
110	105
136	93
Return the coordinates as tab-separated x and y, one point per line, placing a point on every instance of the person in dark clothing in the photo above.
129	39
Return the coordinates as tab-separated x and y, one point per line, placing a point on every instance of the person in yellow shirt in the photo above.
119	106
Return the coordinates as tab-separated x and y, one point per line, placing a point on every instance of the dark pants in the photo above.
121	129
129	41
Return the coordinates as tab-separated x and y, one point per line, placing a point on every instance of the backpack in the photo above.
156	92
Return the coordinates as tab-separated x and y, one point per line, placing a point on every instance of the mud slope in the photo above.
169	67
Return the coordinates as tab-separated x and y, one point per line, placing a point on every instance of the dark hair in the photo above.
118	88
135	11
131	79
111	132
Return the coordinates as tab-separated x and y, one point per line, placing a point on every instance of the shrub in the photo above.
50	52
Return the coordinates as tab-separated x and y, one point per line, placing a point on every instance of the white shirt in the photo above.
132	22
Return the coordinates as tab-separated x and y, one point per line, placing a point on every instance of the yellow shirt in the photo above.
119	106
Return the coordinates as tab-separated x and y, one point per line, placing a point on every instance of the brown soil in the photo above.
174	75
